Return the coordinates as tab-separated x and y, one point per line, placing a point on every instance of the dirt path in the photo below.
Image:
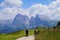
26	38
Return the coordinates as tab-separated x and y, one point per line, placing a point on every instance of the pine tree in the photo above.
58	23
57	26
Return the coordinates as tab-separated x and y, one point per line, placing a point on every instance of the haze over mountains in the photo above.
22	22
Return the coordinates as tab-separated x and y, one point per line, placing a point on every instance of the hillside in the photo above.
14	35
50	34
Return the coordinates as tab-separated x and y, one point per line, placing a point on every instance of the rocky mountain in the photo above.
39	21
20	22
5	25
32	22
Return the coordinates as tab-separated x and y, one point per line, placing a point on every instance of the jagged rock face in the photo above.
32	22
38	21
20	22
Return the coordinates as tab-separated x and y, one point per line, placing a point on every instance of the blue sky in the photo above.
1	1
28	3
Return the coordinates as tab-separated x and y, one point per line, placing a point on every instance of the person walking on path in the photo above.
26	32
35	31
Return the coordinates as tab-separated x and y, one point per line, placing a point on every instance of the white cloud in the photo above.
10	13
16	3
2	4
51	11
36	9
10	9
11	3
54	4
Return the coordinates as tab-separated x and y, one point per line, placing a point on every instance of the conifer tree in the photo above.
58	23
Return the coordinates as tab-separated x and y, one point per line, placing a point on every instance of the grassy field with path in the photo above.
14	35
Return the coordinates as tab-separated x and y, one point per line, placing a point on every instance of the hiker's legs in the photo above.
26	32
34	33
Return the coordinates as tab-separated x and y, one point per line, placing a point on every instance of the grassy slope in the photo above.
14	35
48	35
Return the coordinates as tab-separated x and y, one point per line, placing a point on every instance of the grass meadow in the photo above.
14	35
48	34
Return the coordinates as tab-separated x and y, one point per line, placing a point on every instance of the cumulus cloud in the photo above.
16	3
10	9
52	11
10	13
36	9
13	7
54	4
11	3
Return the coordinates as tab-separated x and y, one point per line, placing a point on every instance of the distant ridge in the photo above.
22	22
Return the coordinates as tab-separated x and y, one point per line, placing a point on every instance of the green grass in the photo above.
14	35
48	35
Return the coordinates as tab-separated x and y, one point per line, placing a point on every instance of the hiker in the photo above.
35	31
26	32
